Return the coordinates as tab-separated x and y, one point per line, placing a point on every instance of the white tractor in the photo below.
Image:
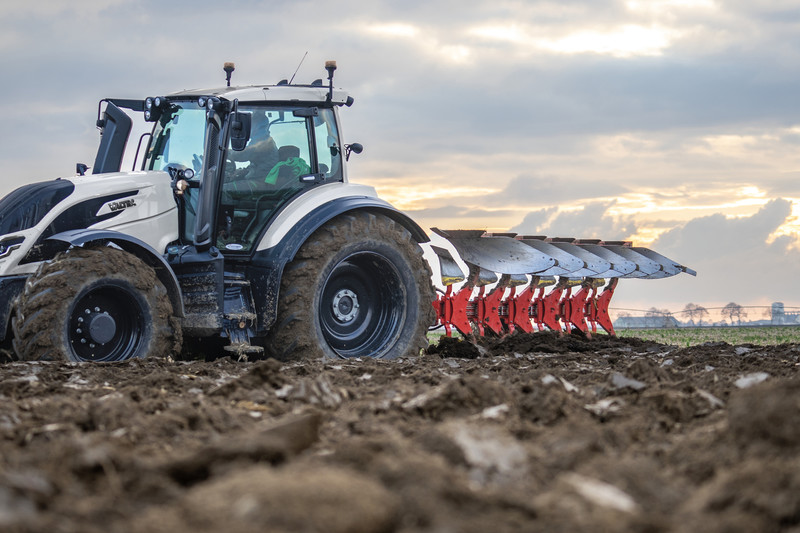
239	224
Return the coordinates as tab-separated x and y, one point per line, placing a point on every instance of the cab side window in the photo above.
329	152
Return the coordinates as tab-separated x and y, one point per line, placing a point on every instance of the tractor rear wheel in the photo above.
94	304
358	287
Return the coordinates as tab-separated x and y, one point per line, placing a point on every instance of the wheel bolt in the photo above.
91	346
96	309
78	331
87	311
83	341
80	319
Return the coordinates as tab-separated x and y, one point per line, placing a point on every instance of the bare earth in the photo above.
537	433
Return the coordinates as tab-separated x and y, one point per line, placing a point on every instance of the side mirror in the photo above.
356	148
240	129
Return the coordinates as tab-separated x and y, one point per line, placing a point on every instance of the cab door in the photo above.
289	151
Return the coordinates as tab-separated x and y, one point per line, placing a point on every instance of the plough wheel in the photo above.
359	287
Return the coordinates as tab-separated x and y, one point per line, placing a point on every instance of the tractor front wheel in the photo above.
94	304
358	287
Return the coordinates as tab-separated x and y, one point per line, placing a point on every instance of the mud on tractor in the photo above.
238	225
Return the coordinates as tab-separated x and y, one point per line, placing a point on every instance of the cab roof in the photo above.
269	93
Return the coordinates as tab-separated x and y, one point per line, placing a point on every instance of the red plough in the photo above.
518	301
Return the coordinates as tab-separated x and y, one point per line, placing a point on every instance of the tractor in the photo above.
237	223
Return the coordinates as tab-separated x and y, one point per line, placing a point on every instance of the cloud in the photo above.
456	212
500	102
723	237
734	257
533	190
592	221
534	222
787	184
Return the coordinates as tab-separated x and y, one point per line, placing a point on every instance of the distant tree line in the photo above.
735	314
696	313
733	310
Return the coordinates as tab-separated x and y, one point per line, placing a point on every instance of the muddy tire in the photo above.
94	304
358	287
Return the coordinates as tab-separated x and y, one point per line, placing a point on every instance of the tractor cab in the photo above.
236	155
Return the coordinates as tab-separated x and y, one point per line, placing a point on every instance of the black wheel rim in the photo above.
106	324
362	306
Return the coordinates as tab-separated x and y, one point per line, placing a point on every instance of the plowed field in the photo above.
532	433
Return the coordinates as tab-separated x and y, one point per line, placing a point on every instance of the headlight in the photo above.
148	103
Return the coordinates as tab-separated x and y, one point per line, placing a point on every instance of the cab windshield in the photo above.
178	138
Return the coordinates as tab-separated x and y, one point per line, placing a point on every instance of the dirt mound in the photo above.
553	342
290	499
525	433
454	347
767	413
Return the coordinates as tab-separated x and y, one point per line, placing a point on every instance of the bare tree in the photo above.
657	312
734	311
702	313
694	311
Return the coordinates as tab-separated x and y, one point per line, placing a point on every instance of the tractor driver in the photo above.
261	152
270	168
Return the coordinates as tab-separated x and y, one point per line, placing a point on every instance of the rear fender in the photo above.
308	207
132	245
268	264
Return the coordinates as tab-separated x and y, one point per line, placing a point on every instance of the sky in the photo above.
672	123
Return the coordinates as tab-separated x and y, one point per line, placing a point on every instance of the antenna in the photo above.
298	67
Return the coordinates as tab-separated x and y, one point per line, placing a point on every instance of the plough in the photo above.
516	300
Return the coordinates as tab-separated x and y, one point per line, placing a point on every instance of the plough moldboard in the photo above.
576	269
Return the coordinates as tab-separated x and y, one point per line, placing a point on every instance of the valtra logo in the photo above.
122	204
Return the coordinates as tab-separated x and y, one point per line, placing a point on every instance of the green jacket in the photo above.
297	166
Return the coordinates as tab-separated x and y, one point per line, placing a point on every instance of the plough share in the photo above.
576	269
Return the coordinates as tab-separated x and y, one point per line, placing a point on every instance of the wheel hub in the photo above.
95	327
102	328
345	305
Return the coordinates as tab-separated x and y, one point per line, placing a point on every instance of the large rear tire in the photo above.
94	304
358	287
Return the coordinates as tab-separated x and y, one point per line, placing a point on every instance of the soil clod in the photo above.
525	433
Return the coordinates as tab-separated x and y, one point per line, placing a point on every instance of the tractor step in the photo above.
239	317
